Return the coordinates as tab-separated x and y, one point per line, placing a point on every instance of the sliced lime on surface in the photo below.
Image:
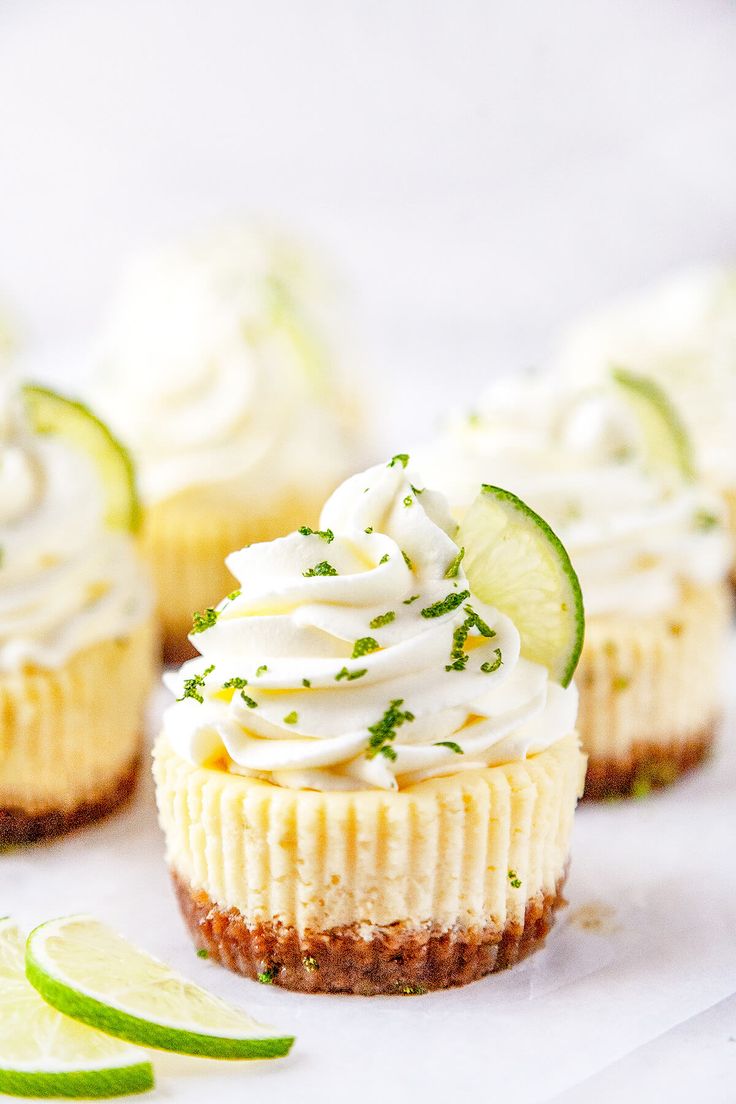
514	562
45	1054
51	413
666	438
91	973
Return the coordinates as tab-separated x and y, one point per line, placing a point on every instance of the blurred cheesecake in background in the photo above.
220	367
610	467
77	638
681	332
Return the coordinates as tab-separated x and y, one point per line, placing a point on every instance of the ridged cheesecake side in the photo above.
651	693
71	739
370	891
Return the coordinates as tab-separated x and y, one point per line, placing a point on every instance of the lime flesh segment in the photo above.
514	562
91	973
54	414
667	441
45	1054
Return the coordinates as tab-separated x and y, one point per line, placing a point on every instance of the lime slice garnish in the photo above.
91	973
51	413
43	1053
666	439
514	562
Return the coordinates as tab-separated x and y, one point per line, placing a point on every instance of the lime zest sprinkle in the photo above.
410	990
261	670
368	529
267	977
233	595
364	646
306	682
383	559
310	964
382	619
193	685
454	568
446	605
417	490
326	534
203	953
203	621
458	655
384	731
408	500
291	718
322	568
248	701
451	745
407	560
704	521
400	458
488	668
350	675
236	683
408	601
514	879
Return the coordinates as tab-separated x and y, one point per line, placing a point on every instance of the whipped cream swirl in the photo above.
357	657
66	582
218	367
578	457
682	332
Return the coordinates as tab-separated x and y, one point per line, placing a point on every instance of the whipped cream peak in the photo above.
578	456
356	656
219	366
66	581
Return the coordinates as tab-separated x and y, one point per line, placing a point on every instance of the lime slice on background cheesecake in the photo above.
45	1054
514	562
50	413
84	969
666	439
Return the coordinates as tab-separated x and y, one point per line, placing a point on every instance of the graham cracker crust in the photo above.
177	649
649	767
396	960
18	826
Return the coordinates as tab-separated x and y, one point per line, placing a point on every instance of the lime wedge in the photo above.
667	441
514	562
86	970
51	413
43	1053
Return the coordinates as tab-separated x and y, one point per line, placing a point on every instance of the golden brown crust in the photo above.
177	649
19	825
649	767
396	959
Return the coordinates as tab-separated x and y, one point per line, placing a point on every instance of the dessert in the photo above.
681	333
77	638
219	370
364	783
611	468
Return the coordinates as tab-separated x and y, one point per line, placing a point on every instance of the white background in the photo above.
482	172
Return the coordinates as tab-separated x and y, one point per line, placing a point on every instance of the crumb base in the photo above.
18	825
396	960
650	766
177	649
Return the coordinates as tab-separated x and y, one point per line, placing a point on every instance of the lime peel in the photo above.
665	434
101	1009
50	413
516	563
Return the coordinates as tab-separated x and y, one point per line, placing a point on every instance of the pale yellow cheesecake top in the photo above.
221	363
578	455
66	580
356	656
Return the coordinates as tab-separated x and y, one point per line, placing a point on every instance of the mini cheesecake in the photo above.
364	784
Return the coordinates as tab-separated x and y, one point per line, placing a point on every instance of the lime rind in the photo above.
666	436
52	413
537	585
74	1001
78	1085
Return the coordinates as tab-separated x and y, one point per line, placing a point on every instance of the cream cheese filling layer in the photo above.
356	656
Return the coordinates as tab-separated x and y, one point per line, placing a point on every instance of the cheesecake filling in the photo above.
356	657
66	581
